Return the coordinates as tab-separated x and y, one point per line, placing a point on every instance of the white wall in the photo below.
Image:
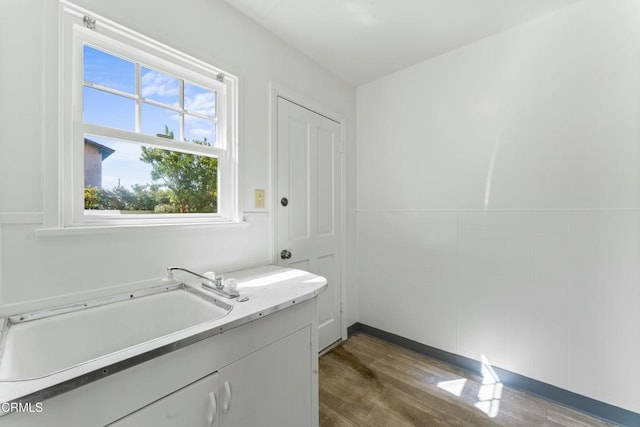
36	270
498	200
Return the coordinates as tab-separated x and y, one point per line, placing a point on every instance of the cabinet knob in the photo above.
285	254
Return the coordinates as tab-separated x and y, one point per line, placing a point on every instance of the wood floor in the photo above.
369	382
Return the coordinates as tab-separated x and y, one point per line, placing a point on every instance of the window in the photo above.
148	132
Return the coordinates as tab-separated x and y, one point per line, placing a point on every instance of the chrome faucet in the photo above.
214	285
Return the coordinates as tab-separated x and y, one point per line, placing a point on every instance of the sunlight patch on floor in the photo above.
454	387
490	391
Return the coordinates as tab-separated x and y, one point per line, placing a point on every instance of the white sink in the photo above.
39	344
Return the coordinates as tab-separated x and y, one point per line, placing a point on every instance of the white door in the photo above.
308	205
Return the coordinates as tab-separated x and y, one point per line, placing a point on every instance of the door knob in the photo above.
285	254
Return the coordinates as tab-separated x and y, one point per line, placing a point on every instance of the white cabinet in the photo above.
263	373
271	387
195	405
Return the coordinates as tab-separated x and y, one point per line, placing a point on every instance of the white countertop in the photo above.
269	289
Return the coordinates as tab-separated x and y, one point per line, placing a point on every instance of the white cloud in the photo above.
124	151
203	102
200	134
198	129
156	84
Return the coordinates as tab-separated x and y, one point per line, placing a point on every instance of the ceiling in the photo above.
361	40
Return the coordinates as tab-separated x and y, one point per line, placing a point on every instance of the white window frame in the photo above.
80	27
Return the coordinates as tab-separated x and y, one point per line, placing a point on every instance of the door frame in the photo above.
280	90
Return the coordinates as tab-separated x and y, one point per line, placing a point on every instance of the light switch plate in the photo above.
259	199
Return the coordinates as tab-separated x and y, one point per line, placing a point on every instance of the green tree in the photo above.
118	198
143	197
183	183
92	199
191	179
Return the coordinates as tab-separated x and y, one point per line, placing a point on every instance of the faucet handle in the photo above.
219	282
232	286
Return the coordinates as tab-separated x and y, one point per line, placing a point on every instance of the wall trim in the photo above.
21	217
578	402
516	210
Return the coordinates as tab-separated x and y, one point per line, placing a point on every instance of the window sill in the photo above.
84	230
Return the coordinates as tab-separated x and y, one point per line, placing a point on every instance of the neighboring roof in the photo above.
104	150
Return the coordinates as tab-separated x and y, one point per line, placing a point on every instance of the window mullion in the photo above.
159	104
141	139
181	101
201	116
109	90
138	98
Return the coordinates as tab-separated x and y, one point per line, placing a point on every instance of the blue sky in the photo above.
123	166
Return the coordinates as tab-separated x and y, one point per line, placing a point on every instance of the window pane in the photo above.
159	87
197	129
199	100
159	121
108	70
105	109
125	178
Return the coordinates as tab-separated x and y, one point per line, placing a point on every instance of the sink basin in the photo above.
34	345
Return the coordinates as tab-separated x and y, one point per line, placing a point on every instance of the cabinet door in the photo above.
271	387
195	405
